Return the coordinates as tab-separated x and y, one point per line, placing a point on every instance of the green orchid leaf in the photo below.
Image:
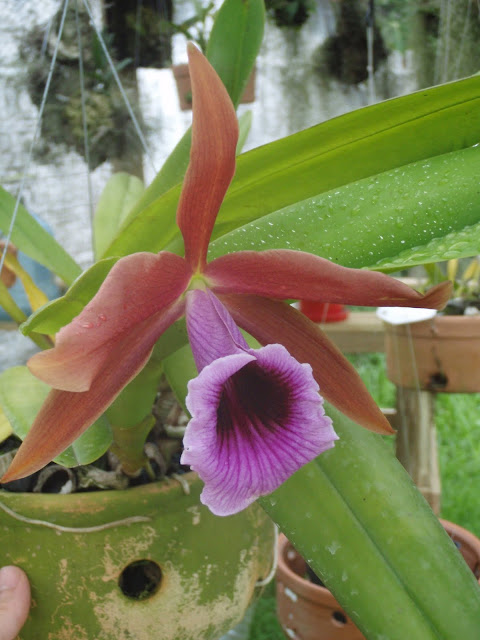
174	338
5	426
56	314
234	43
232	49
354	146
135	402
22	395
35	241
244	126
179	368
457	244
120	194
366	530
8	303
422	212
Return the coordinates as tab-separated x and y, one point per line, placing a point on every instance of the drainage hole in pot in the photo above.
437	381
140	579
339	618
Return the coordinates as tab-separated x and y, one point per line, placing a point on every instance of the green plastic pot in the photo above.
149	562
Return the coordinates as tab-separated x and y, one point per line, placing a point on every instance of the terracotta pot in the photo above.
148	562
184	86
310	612
442	354
323	311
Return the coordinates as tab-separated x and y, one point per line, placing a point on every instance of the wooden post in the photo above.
417	442
414	416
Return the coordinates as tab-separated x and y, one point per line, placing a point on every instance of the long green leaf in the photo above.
423	212
356	145
120	194
134	404
22	395
8	303
31	238
234	43
435	216
363	526
232	48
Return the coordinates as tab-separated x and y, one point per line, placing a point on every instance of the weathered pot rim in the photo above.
101	502
304	588
459	327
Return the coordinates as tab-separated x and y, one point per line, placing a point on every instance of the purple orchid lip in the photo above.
257	416
212	331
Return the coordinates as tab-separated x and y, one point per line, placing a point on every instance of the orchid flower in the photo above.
257	415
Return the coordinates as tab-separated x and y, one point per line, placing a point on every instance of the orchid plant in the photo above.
262	413
257	415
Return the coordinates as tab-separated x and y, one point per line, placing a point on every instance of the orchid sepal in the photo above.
76	411
212	159
136	288
287	274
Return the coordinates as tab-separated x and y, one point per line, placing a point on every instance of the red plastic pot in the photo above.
323	311
310	612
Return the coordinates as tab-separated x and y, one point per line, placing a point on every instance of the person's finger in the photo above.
14	601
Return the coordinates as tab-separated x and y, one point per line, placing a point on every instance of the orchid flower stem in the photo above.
364	528
128	446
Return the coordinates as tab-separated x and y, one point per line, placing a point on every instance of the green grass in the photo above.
458	425
265	625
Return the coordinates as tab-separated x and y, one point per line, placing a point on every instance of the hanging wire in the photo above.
86	144
446	58
463	39
35	135
370	21
43	50
438	49
138	24
120	87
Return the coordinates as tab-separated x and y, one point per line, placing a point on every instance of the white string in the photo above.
447	42
372	98
463	38
138	24
59	527
438	49
86	145
273	570
120	87
43	50
35	136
